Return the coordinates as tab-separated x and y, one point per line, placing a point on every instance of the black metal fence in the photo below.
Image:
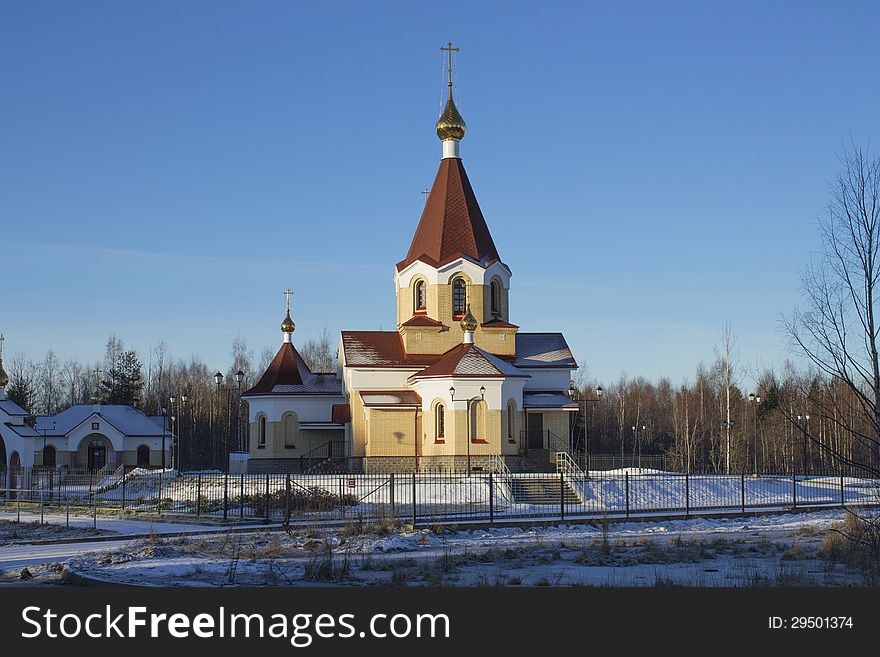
426	498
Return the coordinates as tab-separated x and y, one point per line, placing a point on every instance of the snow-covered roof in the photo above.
11	408
390	398
23	430
548	400
543	350
468	360
126	419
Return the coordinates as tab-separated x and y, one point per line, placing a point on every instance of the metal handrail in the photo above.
566	466
498	466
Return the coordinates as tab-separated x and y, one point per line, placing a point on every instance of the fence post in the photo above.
267	497
626	478
687	495
287	500
491	500
842	495
123	487
95	511
793	489
67	505
392	495
225	495
414	500
241	497
42	509
159	495
562	496
199	495
742	491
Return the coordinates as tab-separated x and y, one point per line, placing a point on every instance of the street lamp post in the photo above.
164	431
183	398
571	392
755	399
218	379
173	399
239	377
805	432
481	397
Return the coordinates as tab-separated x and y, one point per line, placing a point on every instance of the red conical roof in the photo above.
452	224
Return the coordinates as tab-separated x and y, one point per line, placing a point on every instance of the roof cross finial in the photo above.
288	293
288	326
449	50
2	338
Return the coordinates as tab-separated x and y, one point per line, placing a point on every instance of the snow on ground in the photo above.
641	490
31	529
781	549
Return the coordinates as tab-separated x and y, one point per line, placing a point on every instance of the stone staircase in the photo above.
541	490
535	460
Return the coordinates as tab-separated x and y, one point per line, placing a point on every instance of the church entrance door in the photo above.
97	455
535	430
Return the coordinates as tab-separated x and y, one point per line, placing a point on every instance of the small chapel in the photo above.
455	387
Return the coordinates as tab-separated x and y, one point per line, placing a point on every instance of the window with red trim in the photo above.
459	297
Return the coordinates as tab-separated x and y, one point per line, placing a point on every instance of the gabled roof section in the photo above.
452	224
288	374
391	398
125	419
381	349
468	360
543	350
421	321
11	408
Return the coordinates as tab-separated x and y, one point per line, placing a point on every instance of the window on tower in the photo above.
440	419
495	294
420	301
459	298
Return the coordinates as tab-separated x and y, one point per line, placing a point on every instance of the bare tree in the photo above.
837	330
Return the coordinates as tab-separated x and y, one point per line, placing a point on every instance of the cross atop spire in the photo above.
449	50
288	326
288	293
1	345
450	125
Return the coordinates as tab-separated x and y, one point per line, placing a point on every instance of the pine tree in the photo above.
126	382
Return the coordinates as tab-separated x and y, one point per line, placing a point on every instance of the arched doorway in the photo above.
96	455
143	456
14	472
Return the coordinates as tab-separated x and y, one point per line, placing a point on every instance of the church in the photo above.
457	386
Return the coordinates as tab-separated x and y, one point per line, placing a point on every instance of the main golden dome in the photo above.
4	377
450	125
287	326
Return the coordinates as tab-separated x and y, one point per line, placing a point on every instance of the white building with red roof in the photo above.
455	386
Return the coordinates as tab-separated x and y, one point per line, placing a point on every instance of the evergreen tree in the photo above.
126	381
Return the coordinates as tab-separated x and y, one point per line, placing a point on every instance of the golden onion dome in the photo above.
4	377
450	125
287	326
469	322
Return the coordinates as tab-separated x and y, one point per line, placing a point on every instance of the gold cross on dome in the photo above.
449	50
1	345
425	193
288	293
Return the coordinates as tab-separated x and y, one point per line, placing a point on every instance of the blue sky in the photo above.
649	171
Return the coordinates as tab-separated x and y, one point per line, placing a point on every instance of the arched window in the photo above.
261	433
49	456
495	297
478	420
420	296
289	428
439	422
143	456
459	297
511	422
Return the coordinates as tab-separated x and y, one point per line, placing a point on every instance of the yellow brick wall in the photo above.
393	432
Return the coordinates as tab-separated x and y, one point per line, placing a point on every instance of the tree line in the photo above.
211	421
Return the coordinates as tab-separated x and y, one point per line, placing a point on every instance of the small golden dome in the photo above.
287	326
450	125
4	377
469	322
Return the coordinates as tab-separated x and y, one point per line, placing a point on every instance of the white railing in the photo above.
502	478
566	466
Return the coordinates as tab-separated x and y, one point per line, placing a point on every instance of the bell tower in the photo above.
452	263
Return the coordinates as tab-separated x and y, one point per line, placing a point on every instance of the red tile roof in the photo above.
468	360
452	224
288	374
422	320
497	323
381	349
390	398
